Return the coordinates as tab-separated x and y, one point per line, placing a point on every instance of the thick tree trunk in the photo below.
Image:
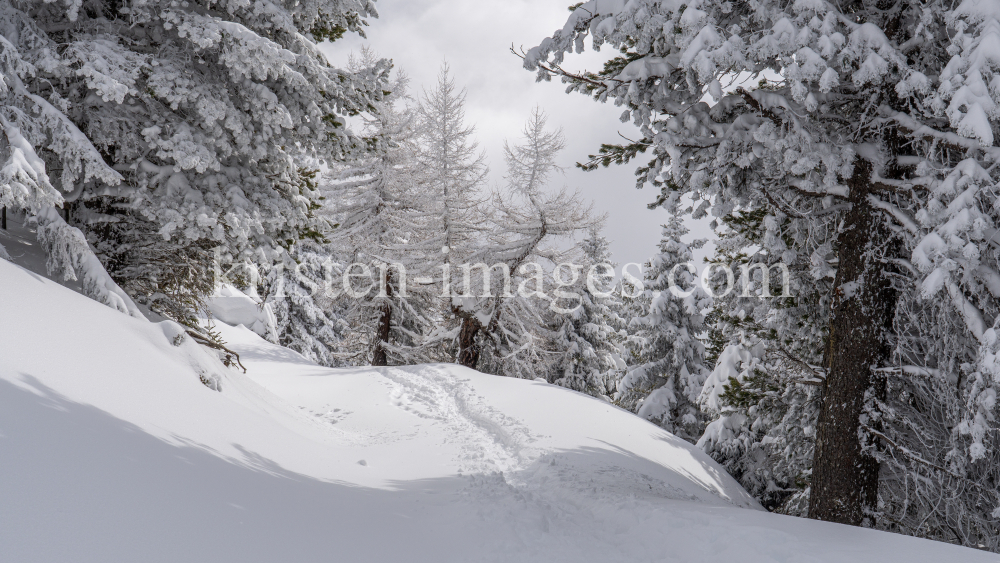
468	349
380	357
844	480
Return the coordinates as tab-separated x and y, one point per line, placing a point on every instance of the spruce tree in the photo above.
302	287
589	338
763	396
172	130
669	373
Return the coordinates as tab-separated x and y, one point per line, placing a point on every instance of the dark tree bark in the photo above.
468	348
380	357
844	479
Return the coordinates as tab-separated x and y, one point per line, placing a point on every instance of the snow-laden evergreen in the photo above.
763	395
590	338
669	369
858	138
36	136
173	126
302	293
70	258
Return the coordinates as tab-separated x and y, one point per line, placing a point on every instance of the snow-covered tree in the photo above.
308	318
529	225
37	136
175	128
385	224
590	338
301	290
670	372
763	395
454	167
454	170
763	423
861	137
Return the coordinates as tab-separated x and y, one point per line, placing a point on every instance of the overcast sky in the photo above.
475	37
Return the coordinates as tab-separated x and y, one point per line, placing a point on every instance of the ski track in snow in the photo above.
490	441
497	451
503	462
512	483
497	458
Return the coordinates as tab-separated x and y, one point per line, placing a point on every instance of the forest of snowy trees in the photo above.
839	356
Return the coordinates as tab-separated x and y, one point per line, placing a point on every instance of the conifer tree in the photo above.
670	370
172	130
763	396
527	219
385	225
308	318
589	338
302	288
859	138
455	171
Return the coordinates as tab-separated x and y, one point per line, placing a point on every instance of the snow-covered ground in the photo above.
112	450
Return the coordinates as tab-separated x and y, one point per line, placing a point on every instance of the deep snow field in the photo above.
112	450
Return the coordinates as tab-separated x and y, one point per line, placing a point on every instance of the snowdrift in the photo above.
112	449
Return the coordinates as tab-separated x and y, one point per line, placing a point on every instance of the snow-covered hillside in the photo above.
112	450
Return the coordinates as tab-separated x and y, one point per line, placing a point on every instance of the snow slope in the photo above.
111	449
